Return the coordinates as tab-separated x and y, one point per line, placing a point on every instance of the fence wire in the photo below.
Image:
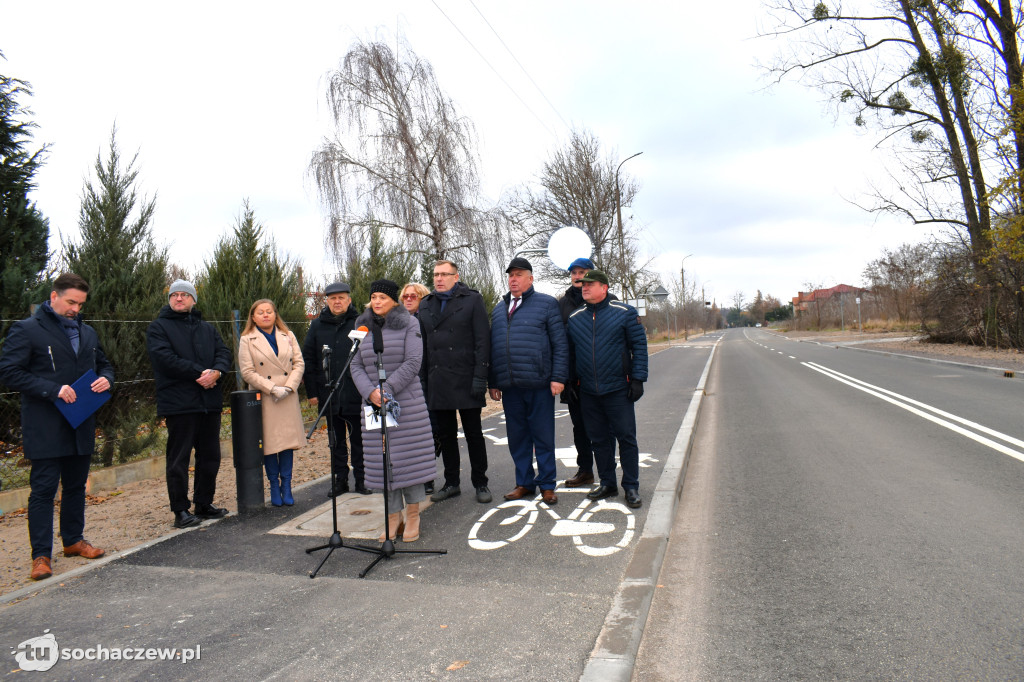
127	426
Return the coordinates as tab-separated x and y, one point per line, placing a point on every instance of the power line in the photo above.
513	90
514	58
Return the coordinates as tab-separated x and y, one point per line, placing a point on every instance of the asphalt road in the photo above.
845	515
490	608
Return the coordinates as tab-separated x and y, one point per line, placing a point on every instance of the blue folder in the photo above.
86	401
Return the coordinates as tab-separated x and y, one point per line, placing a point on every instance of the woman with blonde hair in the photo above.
271	362
412	294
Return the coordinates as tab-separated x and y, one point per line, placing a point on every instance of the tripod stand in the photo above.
387	549
335	540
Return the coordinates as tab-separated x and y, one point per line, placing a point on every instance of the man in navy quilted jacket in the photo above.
529	367
610	348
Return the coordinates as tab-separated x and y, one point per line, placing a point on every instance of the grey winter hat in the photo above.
337	288
181	285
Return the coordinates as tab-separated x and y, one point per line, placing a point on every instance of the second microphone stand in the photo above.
387	549
335	540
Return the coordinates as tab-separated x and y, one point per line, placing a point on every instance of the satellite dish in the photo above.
567	244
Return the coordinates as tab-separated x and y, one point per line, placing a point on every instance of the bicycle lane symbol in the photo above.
599	528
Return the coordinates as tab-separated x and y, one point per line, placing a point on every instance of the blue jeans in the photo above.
610	417
530	425
71	473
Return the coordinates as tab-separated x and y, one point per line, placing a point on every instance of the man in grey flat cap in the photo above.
189	360
331	329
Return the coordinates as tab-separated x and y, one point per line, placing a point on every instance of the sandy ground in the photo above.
138	512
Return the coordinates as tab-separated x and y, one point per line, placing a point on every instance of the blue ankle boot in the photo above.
286	458
272	465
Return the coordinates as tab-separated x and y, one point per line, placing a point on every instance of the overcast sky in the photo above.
224	101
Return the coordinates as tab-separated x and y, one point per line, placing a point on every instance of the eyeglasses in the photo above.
410	297
444	274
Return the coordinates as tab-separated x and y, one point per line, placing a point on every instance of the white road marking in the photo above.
911	405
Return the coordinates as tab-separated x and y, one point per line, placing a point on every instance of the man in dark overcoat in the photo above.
42	357
189	360
331	328
456	361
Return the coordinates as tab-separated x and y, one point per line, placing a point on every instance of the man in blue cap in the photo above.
567	303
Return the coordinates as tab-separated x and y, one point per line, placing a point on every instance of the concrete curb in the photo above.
614	653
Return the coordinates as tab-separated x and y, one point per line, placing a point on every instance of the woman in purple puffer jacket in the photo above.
410	443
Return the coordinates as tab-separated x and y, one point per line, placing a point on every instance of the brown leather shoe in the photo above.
84	549
581	479
518	493
41	568
549	497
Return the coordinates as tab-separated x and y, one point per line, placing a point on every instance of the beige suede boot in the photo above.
395	525
412	522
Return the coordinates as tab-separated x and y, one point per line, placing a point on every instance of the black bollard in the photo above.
247	445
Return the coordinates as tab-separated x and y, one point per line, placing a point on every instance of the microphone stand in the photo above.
335	540
387	548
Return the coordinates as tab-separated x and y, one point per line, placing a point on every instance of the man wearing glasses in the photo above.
456	360
189	360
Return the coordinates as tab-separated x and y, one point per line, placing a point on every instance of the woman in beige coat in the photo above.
271	362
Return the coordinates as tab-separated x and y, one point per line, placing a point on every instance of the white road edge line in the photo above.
966	422
880	393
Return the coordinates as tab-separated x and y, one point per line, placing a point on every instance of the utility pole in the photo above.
682	280
622	241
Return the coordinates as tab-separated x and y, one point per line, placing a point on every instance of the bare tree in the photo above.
401	159
940	80
901	277
576	187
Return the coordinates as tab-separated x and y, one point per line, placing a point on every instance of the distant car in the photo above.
758	324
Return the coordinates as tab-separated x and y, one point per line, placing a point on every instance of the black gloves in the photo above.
479	389
636	390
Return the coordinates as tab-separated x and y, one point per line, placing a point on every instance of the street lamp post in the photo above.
622	241
682	279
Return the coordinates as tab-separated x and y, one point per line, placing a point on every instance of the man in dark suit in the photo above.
43	356
456	358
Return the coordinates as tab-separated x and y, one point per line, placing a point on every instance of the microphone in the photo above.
378	341
357	335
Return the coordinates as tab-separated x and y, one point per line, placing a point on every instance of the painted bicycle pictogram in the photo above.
597	528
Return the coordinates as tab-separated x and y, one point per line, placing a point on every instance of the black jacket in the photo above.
332	331
569	301
181	346
456	348
38	360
